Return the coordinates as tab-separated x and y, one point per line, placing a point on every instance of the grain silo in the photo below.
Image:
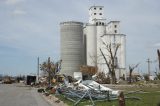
71	46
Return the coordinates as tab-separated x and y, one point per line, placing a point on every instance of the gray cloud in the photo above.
18	12
157	44
13	2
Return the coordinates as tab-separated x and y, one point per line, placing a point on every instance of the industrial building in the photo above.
80	43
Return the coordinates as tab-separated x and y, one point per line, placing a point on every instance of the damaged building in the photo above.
80	43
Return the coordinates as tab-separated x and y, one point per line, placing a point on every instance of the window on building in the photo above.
115	31
94	8
103	23
100	8
94	13
115	26
96	23
100	13
99	23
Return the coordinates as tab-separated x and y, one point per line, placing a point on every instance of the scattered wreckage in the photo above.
89	90
86	90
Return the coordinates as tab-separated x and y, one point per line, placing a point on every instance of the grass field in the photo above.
149	97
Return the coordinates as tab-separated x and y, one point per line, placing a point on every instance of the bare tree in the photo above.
110	59
131	69
48	67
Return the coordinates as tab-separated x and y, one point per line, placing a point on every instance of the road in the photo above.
20	95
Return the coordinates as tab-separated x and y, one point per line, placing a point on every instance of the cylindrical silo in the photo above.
91	44
123	51
101	30
71	46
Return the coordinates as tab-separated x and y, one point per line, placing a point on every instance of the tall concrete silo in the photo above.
91	52
71	46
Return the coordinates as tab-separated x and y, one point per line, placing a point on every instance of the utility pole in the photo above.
149	61
38	70
49	71
158	52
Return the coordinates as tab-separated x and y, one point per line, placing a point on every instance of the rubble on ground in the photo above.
80	91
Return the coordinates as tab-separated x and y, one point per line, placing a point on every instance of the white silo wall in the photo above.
118	39
123	51
103	67
91	45
71	46
121	55
101	30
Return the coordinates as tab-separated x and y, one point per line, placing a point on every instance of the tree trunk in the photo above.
49	70
113	78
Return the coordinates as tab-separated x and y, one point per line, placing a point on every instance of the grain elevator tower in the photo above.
98	30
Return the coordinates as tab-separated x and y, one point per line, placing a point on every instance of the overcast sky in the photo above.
30	28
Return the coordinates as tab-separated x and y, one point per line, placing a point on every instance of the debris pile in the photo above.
82	90
89	90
